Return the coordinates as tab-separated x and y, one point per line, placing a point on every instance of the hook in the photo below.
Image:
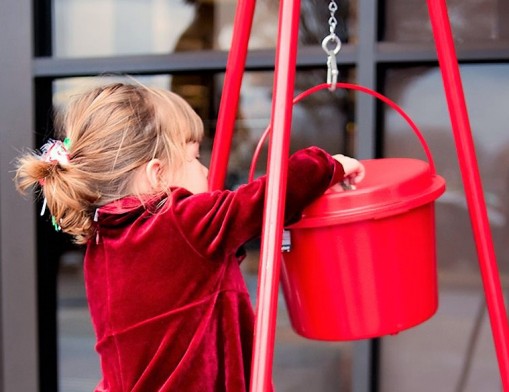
332	72
332	65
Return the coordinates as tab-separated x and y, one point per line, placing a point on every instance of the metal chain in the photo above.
333	22
332	39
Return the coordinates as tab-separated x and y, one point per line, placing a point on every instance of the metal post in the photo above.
231	92
284	77
18	311
472	182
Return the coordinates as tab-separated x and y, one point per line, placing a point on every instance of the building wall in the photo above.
18	334
387	46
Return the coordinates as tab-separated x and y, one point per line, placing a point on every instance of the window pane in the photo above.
471	20
95	28
434	355
320	119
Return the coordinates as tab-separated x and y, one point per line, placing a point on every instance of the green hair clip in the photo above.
55	224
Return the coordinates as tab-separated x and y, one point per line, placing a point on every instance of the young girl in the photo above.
168	302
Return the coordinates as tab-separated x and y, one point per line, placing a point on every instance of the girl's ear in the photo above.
154	171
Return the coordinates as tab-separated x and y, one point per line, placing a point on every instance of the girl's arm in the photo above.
222	221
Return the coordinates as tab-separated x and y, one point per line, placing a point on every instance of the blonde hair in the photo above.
112	131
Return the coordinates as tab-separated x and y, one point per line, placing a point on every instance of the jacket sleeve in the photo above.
220	222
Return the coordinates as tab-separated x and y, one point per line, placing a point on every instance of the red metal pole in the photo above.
284	77
472	182
231	92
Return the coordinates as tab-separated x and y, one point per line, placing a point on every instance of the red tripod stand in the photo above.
283	90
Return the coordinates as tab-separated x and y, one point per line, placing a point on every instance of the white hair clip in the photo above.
56	151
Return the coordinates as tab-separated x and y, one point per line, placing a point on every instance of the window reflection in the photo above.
320	119
420	91
97	28
471	20
454	353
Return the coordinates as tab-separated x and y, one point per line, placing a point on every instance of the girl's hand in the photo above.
354	170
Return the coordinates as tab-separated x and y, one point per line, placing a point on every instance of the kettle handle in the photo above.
349	86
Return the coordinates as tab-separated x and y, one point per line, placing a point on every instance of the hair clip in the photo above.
43	209
54	151
55	224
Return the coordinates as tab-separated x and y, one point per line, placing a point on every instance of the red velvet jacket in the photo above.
168	302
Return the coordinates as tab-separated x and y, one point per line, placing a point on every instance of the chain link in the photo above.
333	22
332	39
